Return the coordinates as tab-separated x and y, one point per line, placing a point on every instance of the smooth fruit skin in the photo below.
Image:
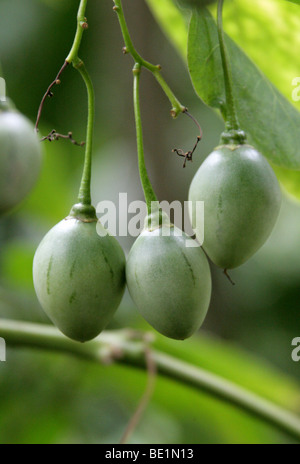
20	159
242	200
169	282
79	278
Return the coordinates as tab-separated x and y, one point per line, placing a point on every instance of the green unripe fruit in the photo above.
79	277
242	200
169	282
20	159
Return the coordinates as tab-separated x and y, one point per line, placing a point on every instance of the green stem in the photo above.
147	187
231	114
154	69
81	26
127	39
84	210
131	352
84	196
178	108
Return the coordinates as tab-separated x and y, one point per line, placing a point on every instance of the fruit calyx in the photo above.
232	146
233	137
156	220
83	213
7	105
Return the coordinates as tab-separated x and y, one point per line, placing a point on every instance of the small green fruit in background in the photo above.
79	276
242	200
20	158
169	282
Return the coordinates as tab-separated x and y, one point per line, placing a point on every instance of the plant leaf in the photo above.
290	181
280	63
271	122
248	23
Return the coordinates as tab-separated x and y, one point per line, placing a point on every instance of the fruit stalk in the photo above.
84	196
231	114
82	25
147	187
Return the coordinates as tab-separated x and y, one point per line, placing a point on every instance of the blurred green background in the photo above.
52	398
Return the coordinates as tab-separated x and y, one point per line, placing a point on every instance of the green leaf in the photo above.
248	23
294	1
290	181
271	122
281	62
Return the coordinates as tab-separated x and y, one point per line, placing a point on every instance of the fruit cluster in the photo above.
80	275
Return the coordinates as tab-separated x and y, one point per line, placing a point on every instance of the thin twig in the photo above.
195	121
49	94
188	156
146	398
53	136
